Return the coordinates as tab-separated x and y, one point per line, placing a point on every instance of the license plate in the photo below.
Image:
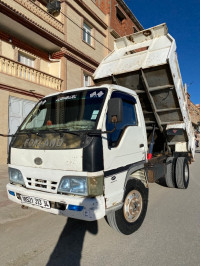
35	201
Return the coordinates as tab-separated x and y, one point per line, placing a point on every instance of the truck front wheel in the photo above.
129	218
182	172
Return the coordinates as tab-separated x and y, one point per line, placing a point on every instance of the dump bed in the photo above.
146	62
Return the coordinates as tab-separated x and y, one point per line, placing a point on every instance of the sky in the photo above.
183	22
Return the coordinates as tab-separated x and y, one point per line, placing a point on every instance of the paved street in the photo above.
170	234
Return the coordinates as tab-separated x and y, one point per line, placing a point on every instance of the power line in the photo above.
86	32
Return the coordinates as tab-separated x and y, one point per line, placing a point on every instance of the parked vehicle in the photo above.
91	152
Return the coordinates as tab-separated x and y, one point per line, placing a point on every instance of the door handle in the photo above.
141	145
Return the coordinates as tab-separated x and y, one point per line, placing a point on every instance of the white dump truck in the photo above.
90	153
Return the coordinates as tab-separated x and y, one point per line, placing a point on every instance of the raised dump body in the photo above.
146	62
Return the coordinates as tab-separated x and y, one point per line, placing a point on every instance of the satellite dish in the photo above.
54	7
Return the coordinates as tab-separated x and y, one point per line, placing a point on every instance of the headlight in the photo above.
86	186
15	176
73	185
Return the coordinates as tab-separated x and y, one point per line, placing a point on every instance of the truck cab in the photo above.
76	151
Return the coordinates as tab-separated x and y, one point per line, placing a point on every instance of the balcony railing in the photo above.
19	70
38	11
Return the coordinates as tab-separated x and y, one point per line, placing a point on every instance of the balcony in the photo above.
18	70
41	13
31	24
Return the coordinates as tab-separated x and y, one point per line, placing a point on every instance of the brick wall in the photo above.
104	5
120	20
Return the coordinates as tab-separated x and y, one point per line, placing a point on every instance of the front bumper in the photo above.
93	208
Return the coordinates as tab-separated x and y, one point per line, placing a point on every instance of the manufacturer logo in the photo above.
38	161
43	143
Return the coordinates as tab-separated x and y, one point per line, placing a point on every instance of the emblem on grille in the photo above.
38	161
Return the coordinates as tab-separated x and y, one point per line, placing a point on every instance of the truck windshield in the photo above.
73	111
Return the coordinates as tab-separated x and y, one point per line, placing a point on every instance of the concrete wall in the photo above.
75	33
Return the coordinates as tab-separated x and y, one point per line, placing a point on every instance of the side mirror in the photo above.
115	110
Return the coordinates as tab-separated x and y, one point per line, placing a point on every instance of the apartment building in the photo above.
47	46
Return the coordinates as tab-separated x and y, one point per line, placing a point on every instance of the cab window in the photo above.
129	118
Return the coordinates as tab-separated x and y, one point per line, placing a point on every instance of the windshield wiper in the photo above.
77	133
83	132
28	132
61	131
93	133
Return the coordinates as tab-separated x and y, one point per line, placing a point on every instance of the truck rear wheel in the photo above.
129	218
170	175
182	173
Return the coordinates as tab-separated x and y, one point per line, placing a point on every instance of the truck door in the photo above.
122	148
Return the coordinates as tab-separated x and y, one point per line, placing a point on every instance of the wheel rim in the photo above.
186	173
132	206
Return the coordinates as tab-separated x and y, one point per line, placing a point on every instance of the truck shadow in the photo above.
68	249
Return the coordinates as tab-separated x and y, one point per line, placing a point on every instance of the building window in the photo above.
120	15
26	73
87	33
87	80
26	60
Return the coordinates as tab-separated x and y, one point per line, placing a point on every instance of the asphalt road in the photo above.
170	234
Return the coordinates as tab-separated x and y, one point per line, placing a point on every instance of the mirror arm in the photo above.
111	131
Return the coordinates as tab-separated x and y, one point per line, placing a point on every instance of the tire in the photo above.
128	220
182	173
170	172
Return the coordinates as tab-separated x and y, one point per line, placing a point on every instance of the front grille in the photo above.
42	184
